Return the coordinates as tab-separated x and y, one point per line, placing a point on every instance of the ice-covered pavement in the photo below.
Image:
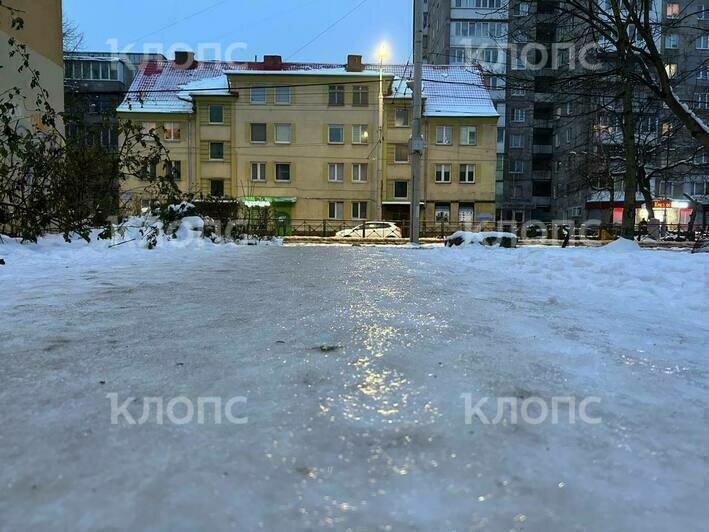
368	433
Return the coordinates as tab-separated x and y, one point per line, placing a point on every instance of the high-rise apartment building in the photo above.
544	130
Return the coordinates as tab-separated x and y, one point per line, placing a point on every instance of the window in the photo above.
516	141
216	151
464	28
401	189
442	212
469	135
520	10
444	135
173	131
359	172
283	133
174	169
703	42
672	41
283	172
517	167
672	10
443	173
702	100
336	172
336	210
359	210
360	134
216	114
467	173
703	72
401	153
500	135
700	188
216	187
282	95
703	13
336	95
360	96
258	133
148	127
519	115
258	95
336	134
401	117
258	171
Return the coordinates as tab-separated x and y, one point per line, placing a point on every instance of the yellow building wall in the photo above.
310	153
42	33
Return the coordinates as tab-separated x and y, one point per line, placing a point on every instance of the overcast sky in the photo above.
249	27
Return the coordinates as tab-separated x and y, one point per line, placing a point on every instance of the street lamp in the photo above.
382	54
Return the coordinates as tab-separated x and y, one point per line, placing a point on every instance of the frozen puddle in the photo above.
354	364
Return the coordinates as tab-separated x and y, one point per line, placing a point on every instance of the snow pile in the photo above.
622	245
485	238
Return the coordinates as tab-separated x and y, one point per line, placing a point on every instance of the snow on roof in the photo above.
164	87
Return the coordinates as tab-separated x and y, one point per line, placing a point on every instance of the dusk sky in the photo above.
281	27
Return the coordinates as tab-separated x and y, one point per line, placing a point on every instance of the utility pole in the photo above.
380	143
417	143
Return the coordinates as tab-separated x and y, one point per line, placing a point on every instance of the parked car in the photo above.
373	230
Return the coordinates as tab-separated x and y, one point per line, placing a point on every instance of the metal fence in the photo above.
328	228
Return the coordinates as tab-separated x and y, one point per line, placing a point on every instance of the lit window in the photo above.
360	134
173	131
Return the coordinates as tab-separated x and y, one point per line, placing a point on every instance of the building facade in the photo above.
542	129
95	83
304	137
42	34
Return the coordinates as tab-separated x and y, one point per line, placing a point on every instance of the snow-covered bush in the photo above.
489	238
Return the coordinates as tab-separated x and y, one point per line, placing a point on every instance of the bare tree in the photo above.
72	36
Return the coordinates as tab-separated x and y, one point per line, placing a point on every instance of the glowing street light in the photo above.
382	54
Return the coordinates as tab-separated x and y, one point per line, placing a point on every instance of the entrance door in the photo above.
466	215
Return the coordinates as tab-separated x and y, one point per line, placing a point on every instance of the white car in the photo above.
373	230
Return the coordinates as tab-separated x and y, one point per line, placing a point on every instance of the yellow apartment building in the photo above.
305	137
42	34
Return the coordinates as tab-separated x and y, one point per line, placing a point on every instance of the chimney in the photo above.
354	63
272	62
185	60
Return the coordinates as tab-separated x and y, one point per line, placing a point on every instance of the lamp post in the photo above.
382	54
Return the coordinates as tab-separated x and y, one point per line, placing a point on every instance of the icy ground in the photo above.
368	433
